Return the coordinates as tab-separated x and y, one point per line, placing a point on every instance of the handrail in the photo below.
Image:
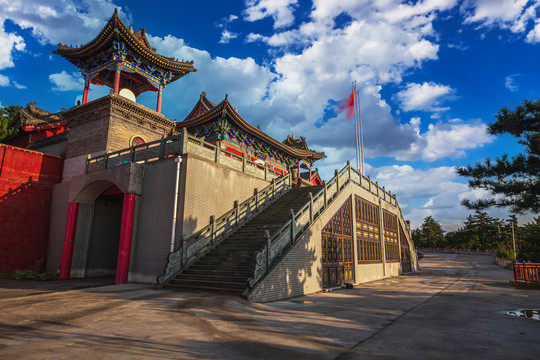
178	145
301	220
219	229
526	271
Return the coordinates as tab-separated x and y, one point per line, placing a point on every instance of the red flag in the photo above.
347	104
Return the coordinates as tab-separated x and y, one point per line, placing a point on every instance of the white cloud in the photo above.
227	36
280	10
9	42
510	84
452	139
54	21
426	96
244	80
514	15
533	36
18	86
4	80
67	82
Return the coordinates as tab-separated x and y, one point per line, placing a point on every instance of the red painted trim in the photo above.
85	93
69	239
126	232
117	81
158	107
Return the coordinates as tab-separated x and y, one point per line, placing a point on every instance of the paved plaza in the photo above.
453	309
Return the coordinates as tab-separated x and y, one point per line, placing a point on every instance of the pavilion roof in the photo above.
137	42
32	118
213	112
201	107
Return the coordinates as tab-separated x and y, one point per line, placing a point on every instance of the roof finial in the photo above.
203	94
227	97
115	11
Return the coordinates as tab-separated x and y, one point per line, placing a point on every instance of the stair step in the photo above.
218	278
204	288
213	284
228	266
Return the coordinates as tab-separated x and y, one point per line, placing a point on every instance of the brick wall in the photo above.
205	189
211	189
26	179
108	123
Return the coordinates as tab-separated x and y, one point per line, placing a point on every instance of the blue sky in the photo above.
432	75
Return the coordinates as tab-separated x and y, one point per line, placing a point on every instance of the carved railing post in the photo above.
324	193
256	194
212	229
88	162
265	172
162	148
337	180
310	207
184	141
106	159
236	213
292	226
243	163
268	249
369	182
349	169
218	151
273	188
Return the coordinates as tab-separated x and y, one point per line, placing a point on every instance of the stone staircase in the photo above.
228	267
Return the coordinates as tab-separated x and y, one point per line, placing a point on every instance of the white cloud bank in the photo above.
426	96
514	15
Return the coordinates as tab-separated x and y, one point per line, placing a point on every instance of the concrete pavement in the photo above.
453	309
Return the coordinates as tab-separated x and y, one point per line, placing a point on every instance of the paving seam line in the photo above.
400	316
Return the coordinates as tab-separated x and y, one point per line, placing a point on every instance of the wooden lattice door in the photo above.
337	248
405	252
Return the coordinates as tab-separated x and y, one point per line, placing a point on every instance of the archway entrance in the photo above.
98	233
102	253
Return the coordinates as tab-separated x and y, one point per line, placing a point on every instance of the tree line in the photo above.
483	232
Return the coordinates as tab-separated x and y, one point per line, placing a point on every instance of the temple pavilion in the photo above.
210	202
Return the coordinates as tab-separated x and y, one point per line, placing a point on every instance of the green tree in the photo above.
430	234
7	116
512	181
529	244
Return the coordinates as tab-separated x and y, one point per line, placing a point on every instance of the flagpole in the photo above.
356	126
361	131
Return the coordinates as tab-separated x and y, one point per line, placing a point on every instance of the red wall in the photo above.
26	179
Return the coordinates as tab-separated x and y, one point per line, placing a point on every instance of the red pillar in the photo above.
159	95
117	81
126	231
69	238
85	94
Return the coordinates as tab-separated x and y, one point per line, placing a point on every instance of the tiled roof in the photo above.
217	110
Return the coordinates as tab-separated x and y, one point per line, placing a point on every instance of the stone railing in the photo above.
207	238
300	221
178	145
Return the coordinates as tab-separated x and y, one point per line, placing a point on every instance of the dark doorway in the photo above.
105	236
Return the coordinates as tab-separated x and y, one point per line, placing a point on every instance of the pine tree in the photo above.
7	116
513	181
